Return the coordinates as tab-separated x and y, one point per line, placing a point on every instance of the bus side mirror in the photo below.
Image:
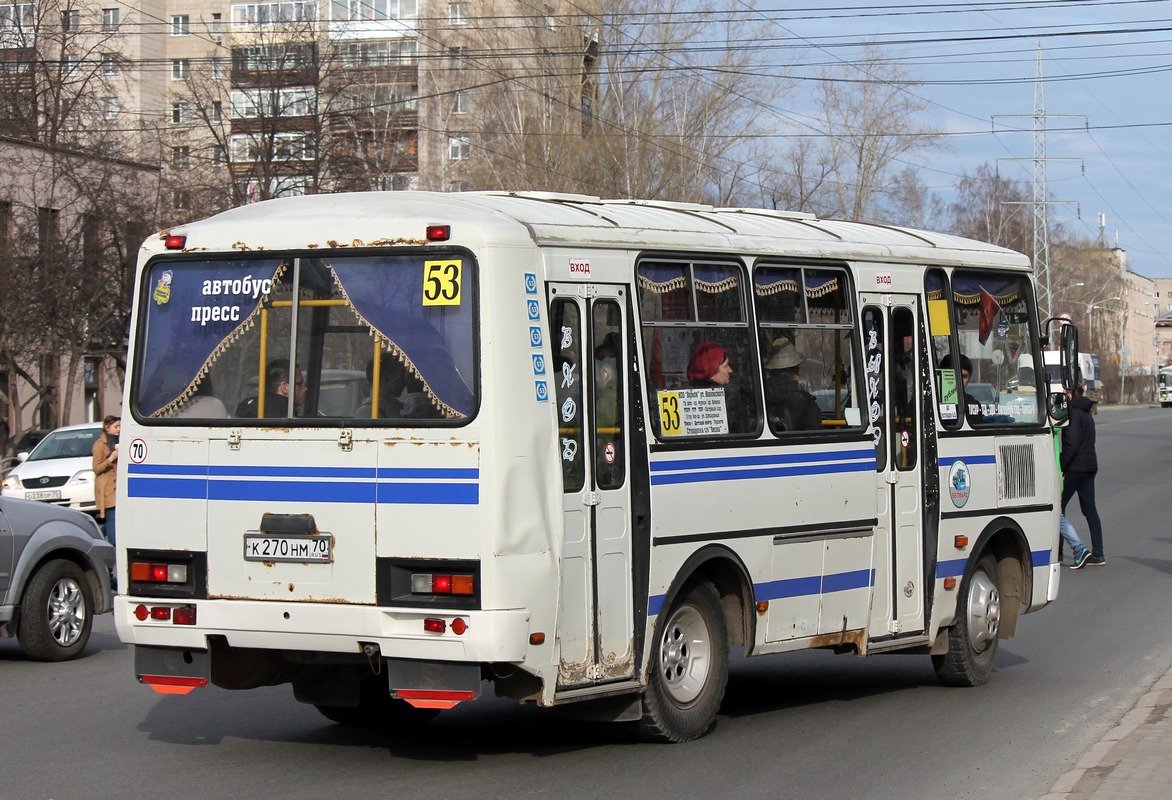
1058	407
1069	345
1067	348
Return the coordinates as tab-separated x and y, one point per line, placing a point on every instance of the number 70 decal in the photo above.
441	282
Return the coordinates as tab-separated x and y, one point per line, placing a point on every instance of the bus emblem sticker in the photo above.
539	364
162	294
530	283
958	483
542	391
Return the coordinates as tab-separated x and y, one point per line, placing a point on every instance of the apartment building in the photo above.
249	100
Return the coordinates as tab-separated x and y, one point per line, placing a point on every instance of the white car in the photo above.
59	470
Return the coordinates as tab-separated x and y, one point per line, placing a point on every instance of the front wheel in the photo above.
56	612
689	668
972	639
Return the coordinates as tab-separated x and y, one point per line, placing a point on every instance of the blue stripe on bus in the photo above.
955	567
760	460
970	460
324	484
784	465
810	586
776	472
951	569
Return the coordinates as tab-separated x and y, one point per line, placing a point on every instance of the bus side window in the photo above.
702	367
807	336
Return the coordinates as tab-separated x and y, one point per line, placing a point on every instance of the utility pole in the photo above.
1040	195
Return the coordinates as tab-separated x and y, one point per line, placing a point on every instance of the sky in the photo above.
1106	93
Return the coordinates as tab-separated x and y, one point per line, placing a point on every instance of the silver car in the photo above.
55	569
59	470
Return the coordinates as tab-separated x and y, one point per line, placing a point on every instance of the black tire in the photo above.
56	612
689	668
377	709
973	637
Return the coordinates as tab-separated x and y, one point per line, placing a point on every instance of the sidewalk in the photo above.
1134	759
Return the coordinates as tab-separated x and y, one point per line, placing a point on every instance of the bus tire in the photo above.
973	637
689	668
56	612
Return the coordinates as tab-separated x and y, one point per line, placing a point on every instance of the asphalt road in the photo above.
810	725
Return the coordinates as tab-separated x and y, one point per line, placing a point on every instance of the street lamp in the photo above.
1090	307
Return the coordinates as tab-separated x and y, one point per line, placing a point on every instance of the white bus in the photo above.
1164	386
577	479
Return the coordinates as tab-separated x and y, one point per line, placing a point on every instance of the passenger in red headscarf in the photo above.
709	366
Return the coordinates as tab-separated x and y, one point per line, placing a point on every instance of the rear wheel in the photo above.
689	668
972	639
56	612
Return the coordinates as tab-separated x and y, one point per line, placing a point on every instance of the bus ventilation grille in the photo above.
1016	477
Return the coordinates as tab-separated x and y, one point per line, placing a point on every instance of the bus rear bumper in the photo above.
494	636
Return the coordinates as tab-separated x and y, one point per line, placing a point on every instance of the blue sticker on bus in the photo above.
530	283
538	364
534	309
535	335
542	391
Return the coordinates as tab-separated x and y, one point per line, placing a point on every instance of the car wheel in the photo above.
56	612
972	639
689	668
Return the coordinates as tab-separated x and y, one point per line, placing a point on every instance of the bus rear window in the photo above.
307	338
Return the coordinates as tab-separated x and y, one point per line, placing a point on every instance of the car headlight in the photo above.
11	482
86	476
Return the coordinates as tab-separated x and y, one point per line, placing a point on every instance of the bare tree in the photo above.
637	101
992	208
74	215
857	166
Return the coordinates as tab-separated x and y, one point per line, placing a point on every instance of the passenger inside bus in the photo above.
203	403
400	394
790	408
710	368
277	390
606	412
972	408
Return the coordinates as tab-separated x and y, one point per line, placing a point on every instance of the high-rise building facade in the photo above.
250	100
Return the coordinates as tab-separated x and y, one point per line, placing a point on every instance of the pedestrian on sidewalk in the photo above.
1080	464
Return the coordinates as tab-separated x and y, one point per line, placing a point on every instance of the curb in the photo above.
1131	760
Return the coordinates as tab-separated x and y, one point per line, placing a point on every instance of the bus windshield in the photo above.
307	337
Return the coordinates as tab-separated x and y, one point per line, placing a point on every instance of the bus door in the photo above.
596	616
892	357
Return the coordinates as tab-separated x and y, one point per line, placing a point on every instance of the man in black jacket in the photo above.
1080	464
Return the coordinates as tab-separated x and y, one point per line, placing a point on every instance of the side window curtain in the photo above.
806	340
565	321
995	320
701	362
